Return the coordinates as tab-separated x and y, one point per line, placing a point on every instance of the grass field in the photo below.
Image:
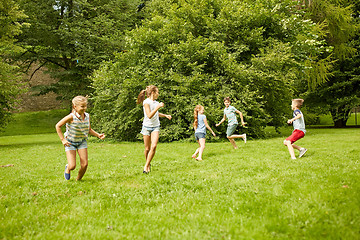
254	192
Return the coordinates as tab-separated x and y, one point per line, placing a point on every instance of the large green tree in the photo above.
10	26
198	52
341	92
71	38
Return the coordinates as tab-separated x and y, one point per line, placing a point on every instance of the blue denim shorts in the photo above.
230	130
76	145
148	130
199	135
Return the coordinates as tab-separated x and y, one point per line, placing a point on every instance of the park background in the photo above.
260	53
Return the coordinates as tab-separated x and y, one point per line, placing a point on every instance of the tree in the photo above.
10	27
198	52
342	90
71	38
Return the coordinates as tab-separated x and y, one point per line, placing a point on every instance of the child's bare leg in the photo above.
232	141
196	151
297	147
147	143
290	147
201	148
237	136
154	141
71	158
83	154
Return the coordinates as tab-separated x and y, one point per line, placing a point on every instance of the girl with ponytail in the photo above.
200	124
151	123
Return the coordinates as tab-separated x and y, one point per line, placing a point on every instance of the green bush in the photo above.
198	52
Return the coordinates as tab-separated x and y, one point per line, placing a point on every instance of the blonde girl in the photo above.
75	138
200	124
151	123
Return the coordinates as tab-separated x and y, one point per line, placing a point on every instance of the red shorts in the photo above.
296	135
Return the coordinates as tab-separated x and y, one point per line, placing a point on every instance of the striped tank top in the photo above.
78	130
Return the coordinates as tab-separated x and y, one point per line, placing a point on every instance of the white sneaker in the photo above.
244	137
302	152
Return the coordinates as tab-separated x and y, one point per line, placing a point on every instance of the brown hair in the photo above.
298	102
196	112
149	89
227	99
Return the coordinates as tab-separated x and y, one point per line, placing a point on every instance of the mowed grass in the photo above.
254	192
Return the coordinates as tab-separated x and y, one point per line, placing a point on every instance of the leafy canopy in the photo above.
200	51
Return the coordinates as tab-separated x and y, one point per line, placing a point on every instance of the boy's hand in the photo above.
217	124
290	121
243	124
168	117
213	134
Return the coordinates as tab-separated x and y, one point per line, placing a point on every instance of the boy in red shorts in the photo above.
299	129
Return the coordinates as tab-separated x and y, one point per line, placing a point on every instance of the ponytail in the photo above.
141	97
196	112
149	89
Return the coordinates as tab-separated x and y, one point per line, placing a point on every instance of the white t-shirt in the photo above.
154	121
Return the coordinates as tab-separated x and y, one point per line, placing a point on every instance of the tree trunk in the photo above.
340	115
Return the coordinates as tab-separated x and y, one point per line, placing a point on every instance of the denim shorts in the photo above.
230	130
199	135
148	130
76	145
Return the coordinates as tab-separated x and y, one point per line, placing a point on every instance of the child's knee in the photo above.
84	164
286	142
153	147
71	166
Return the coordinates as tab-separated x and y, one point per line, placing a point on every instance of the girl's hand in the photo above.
161	105
168	117
101	136
217	124
65	142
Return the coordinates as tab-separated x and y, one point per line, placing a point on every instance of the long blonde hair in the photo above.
149	89
197	109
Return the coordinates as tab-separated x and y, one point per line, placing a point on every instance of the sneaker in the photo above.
66	175
244	137
302	152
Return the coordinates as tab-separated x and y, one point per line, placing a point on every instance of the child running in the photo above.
151	123
299	129
229	113
75	138
200	124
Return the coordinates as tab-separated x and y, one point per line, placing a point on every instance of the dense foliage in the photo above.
341	93
71	38
10	26
198	52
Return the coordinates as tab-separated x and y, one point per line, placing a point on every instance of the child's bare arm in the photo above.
222	120
241	117
165	115
62	122
150	113
92	132
295	118
208	127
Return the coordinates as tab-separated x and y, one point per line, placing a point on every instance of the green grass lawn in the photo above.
254	192
33	122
